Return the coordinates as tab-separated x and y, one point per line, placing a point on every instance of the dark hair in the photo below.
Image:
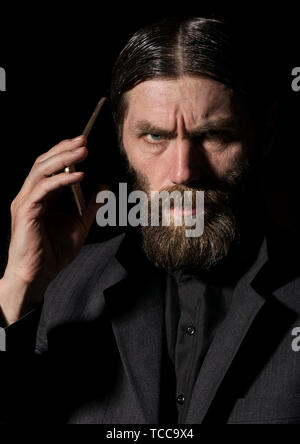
197	47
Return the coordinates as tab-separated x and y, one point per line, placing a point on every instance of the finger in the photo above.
52	165
93	206
64	145
44	191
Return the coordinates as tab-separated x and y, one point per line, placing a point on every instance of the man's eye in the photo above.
154	138
215	134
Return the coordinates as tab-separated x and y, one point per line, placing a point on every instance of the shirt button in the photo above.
180	399
191	330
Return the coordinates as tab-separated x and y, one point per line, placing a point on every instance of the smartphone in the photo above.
105	164
77	192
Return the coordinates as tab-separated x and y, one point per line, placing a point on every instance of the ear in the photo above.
270	128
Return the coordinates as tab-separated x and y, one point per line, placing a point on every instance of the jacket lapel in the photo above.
133	293
246	304
134	303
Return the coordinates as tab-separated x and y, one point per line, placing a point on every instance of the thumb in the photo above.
91	211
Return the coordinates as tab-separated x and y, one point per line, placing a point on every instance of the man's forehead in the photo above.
197	99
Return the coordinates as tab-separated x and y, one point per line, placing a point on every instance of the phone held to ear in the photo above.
76	188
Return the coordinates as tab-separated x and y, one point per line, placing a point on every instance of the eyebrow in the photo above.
143	127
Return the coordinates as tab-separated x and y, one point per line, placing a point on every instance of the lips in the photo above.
183	212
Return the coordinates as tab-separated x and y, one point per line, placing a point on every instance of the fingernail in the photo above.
76	138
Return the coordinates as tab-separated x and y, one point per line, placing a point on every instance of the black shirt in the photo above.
194	309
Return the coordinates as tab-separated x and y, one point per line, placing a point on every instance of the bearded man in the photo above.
154	326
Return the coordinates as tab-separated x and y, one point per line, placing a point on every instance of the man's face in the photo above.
191	133
179	131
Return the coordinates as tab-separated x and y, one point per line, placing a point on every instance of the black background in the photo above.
58	61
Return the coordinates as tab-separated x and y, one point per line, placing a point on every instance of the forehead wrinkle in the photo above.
213	109
170	112
218	103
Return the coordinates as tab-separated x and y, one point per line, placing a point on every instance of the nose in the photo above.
184	165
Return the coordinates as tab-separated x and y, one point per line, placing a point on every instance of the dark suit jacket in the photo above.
99	344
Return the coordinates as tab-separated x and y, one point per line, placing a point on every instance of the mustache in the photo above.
215	204
192	187
232	183
211	196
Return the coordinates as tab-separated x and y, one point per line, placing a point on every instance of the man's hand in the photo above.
43	240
